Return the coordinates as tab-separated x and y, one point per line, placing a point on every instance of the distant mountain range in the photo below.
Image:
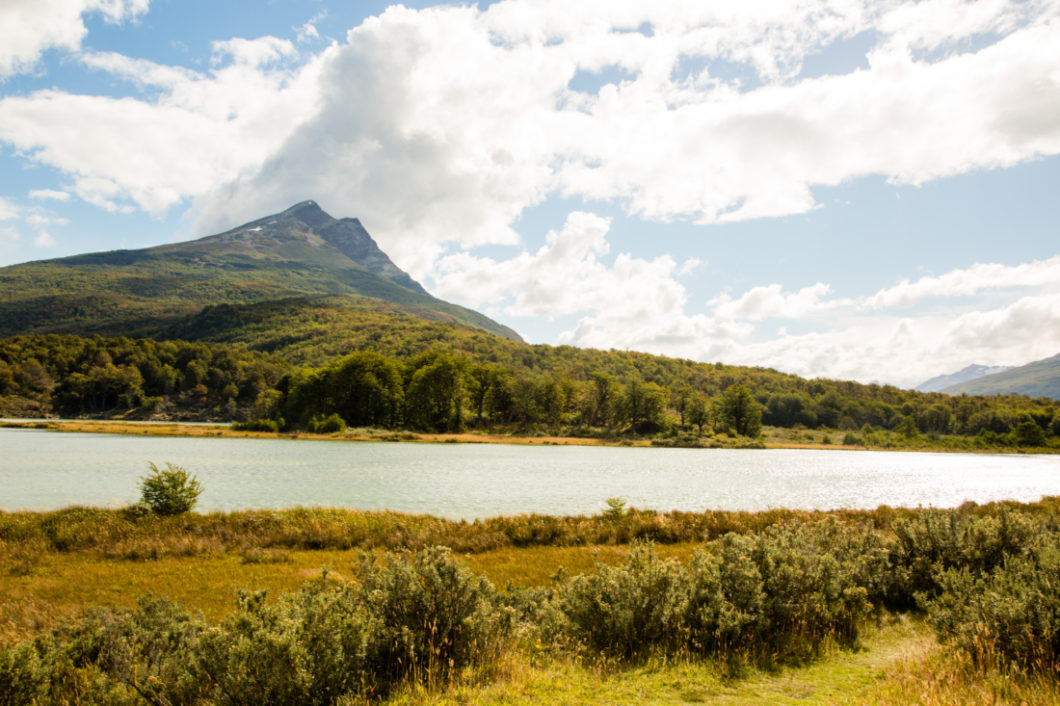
1038	379
297	272
972	372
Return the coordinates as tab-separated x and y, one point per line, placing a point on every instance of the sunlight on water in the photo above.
47	470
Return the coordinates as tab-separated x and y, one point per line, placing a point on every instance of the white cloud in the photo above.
40	220
970	281
907	351
771	301
28	27
442	125
44	239
49	194
639	305
565	276
308	32
200	132
8	210
690	265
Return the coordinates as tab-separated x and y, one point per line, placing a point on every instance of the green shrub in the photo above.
330	424
725	610
625	611
1008	618
812	591
434	617
266	425
169	492
307	649
936	540
148	651
22	676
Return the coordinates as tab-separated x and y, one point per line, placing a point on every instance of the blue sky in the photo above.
854	190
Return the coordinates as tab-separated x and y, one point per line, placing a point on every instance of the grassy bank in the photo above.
884	606
771	438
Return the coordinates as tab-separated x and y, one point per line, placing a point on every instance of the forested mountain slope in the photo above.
158	292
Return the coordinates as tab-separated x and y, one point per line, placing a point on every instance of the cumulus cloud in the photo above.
200	131
567	275
49	194
28	27
639	304
907	351
440	126
969	281
771	301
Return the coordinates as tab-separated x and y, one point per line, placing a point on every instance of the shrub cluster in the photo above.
763	587
1008	617
412	619
781	594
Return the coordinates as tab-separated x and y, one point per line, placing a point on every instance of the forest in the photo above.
494	385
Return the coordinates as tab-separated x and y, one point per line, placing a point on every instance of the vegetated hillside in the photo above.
972	372
302	252
428	376
1038	379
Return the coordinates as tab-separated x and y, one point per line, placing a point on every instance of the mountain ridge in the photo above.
300	252
966	374
1040	378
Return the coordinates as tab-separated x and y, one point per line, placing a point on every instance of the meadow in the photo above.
334	606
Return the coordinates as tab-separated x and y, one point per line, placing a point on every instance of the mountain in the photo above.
1038	379
972	372
301	254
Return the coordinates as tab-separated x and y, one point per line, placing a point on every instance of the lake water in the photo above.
46	470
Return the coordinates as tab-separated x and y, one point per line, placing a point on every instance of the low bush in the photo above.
435	617
626	611
330	424
169	492
422	618
266	425
933	541
1008	618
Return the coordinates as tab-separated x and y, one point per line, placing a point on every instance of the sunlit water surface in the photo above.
42	470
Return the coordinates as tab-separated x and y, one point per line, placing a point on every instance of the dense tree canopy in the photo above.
483	382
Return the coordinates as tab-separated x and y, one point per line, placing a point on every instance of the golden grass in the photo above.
64	585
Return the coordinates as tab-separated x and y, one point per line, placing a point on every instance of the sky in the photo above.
843	189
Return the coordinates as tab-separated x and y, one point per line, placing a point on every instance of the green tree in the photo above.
169	492
601	400
697	412
435	396
1027	433
935	418
644	406
740	411
365	389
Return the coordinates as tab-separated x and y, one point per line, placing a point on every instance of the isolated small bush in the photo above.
260	424
330	424
169	492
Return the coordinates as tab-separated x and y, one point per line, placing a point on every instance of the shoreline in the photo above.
223	430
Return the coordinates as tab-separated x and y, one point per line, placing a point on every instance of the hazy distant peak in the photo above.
972	372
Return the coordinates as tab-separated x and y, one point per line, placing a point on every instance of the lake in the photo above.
43	470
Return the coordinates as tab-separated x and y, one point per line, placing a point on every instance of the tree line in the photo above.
489	384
